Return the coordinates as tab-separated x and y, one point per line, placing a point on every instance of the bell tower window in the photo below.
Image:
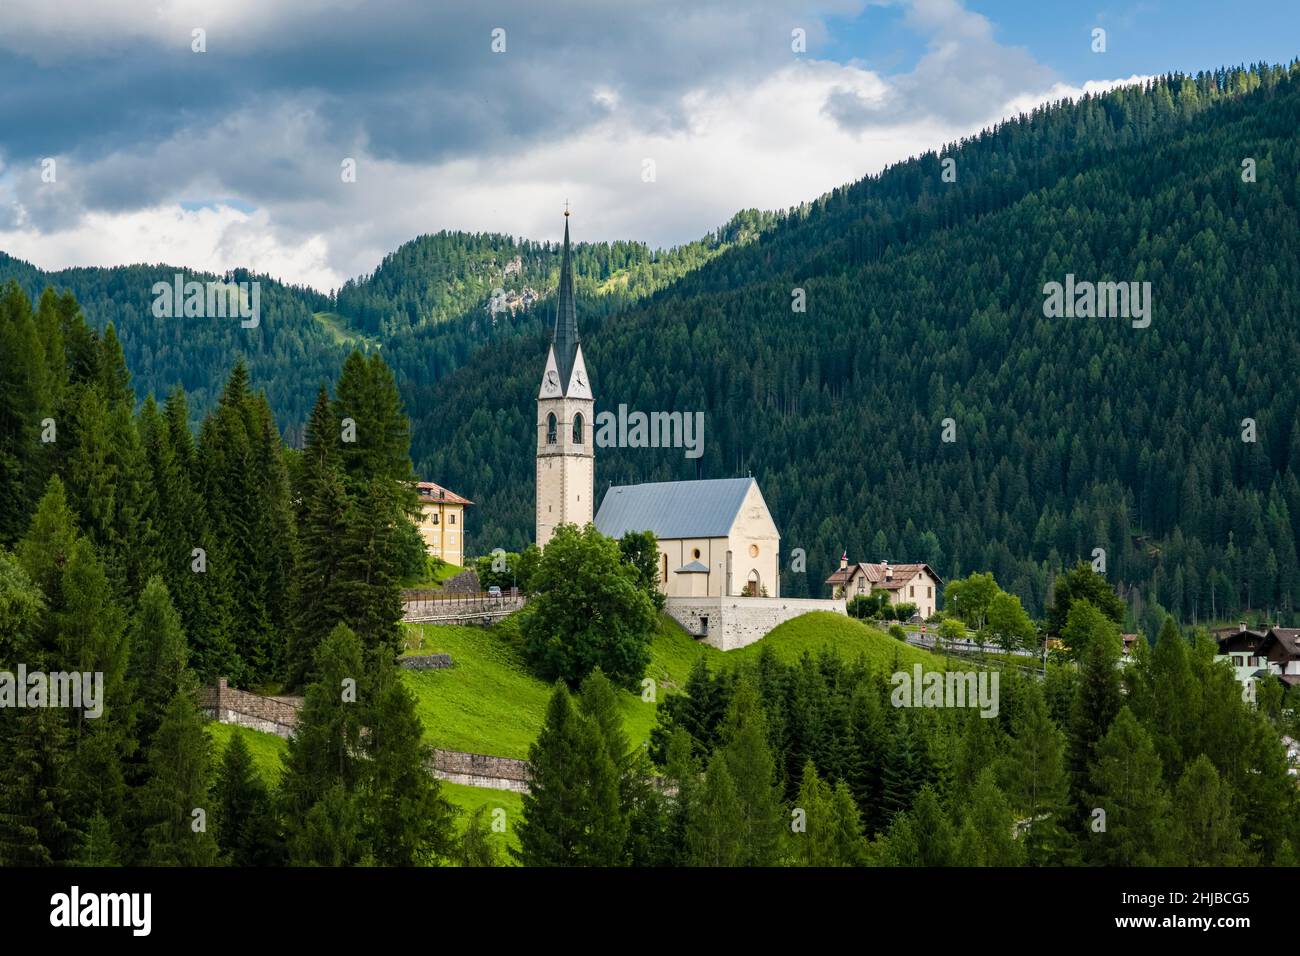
551	430
577	429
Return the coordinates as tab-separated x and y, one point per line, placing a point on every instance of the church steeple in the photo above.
565	418
564	339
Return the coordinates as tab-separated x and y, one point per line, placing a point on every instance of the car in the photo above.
494	591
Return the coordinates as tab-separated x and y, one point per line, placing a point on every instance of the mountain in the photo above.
429	306
925	302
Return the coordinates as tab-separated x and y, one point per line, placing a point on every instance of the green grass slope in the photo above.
490	703
266	749
847	636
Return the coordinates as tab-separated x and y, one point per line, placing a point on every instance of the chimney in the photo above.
889	572
844	560
1241	625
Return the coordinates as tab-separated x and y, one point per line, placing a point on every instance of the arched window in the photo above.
577	429
550	429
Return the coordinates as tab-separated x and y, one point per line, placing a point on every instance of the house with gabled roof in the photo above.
442	521
917	584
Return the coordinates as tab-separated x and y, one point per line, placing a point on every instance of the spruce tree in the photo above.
753	771
325	749
986	837
716	820
1099	696
247	828
1206	830
408	821
158	659
1036	783
476	846
178	785
571	813
1126	784
37	821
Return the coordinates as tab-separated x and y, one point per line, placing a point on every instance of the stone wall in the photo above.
273	715
731	622
279	716
464	583
426	662
481	770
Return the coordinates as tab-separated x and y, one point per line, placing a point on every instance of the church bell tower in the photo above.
565	406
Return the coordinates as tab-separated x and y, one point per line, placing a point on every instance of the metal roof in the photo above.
695	567
565	335
674	509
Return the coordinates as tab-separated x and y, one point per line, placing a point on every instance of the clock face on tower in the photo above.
582	378
551	384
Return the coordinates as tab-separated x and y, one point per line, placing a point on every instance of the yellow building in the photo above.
442	522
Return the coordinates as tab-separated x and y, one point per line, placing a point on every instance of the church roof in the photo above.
674	509
565	335
695	567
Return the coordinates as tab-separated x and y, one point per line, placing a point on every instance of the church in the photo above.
719	548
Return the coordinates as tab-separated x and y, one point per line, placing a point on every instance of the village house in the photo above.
904	583
1244	649
442	522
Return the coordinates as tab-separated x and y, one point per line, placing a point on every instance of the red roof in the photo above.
437	494
875	573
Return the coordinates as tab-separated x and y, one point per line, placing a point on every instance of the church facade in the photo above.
719	548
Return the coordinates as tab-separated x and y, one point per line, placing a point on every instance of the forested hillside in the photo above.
925	302
427	306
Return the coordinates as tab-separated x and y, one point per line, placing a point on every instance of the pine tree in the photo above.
1036	783
158	659
247	828
986	836
476	846
409	822
325	749
813	831
37	822
716	819
1099	697
753	771
1206	831
1126	784
178	785
571	814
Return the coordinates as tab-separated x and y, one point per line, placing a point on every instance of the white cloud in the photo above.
804	128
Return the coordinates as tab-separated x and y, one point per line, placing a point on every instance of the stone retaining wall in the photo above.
426	662
731	622
273	715
481	770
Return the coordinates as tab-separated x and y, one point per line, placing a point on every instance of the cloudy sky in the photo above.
487	115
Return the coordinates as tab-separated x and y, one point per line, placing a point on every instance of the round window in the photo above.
753	550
